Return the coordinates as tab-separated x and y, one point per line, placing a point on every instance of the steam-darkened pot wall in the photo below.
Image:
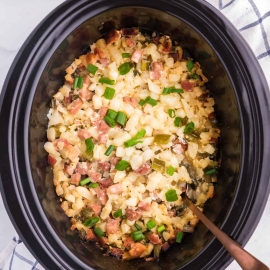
76	43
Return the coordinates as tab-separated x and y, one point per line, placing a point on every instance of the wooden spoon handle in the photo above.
244	259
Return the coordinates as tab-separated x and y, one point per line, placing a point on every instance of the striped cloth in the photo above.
252	19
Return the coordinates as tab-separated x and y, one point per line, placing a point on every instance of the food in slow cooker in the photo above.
130	130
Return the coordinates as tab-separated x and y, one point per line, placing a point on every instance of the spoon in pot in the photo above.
244	259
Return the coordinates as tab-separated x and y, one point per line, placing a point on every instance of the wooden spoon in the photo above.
244	259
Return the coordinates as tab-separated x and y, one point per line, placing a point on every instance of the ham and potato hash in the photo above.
130	130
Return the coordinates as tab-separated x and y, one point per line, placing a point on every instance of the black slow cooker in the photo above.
242	104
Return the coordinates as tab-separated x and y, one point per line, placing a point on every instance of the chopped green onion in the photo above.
91	221
137	236
162	138
166	90
118	213
99	232
177	90
171	195
151	101
158	165
170	170
93	185
75	84
190	65
142	102
92	69
161	228
140	134
132	142
171	113
112	113
179	237
80	82
124	68
106	81
89	145
177	122
121	118
210	172
189	128
122	165
85	181
124	216
126	55
109	121
194	76
109	93
151	224
137	227
109	150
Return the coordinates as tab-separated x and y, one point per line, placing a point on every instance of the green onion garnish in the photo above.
170	170
166	90
135	140
109	150
93	185
142	102
151	101
126	55
92	69
109	121
137	236
151	224
171	195
189	128
122	165
177	90
85	181
106	81
210	172
194	76
112	113
190	65
80	82
124	68
137	227
124	216
91	221
171	113
161	228
140	134
89	145
109	93
75	84
179	237
99	232
118	213
121	118
177	122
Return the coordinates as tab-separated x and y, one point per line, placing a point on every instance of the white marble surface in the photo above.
17	19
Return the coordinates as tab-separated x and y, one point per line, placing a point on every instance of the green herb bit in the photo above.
118	213
122	165
171	113
80	82
124	217
137	236
92	69
109	93
161	228
90	222
151	101
106	81
140	134
158	165
210	172
124	68
142	102
189	128
190	65
109	150
194	76
179	237
109	121
111	113
131	142
93	185
99	232
151	224
170	170
89	145
137	227
177	121
166	90
85	181
162	138
180	91
126	55
121	118
171	195
75	84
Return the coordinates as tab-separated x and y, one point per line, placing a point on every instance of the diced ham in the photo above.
90	236
117	252
155	75
144	169
112	225
131	100
171	213
83	134
94	176
103	241
75	106
69	170
130	31
103	110
154	239
130	42
137	249
105	182
157	66
59	144
114	160
100	53
112	36
68	99
115	189
101	195
82	168
136	56
165	246
85	94
96	208
187	85
73	227
75	179
86	80
104	166
144	206
51	160
102	138
180	146
167	46
104	62
128	243
102	126
133	215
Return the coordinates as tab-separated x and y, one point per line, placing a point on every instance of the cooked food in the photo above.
130	130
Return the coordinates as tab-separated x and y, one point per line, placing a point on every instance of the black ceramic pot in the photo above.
242	104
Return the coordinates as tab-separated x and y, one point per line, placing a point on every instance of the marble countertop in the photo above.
18	19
